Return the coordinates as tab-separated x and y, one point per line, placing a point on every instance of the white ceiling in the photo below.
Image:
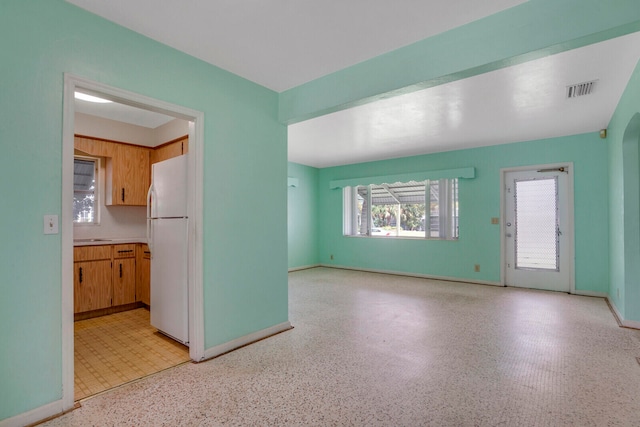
519	103
283	43
122	113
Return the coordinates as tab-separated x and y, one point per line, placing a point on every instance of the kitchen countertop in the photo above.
108	241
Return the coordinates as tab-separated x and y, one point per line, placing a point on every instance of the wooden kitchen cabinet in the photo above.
93	146
128	176
143	274
169	150
92	276
91	253
91	285
128	169
124	274
104	276
126	250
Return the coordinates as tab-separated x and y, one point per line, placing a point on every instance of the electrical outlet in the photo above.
618	292
495	220
51	224
476	268
331	257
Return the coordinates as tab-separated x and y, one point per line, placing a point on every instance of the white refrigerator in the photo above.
167	236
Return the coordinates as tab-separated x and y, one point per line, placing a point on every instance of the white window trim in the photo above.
446	212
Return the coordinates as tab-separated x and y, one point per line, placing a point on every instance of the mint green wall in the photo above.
302	216
531	30
245	263
623	203
479	241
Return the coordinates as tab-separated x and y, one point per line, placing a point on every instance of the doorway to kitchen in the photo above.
117	265
537	229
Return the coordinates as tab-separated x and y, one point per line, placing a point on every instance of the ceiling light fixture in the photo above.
90	98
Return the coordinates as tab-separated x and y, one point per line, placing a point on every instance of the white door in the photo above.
538	229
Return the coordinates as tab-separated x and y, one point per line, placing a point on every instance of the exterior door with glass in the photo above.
538	229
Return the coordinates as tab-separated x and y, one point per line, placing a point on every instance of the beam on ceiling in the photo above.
532	30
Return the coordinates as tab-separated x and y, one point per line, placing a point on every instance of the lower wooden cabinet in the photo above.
143	274
124	274
124	281
110	275
92	285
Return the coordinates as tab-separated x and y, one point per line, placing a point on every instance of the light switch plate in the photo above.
51	224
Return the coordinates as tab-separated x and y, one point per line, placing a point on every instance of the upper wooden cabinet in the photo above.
169	150
129	166
128	176
94	147
128	170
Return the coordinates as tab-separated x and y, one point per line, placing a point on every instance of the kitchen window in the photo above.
415	209
85	190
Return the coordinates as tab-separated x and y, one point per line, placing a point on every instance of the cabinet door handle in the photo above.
123	194
121	270
125	251
80	274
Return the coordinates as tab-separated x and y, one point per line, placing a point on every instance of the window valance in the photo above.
404	177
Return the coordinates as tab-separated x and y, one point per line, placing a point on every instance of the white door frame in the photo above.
194	209
569	231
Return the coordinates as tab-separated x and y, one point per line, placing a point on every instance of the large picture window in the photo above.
418	209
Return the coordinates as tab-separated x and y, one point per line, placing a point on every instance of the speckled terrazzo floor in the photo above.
378	350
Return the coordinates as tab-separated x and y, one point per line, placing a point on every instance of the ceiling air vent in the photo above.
581	89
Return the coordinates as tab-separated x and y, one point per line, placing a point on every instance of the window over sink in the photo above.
85	190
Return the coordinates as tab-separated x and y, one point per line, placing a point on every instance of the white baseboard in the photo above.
421	276
631	324
621	321
244	340
303	267
616	313
34	416
590	294
447	278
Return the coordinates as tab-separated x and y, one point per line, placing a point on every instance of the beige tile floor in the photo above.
115	349
379	350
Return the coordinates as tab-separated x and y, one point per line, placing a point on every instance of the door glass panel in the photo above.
536	237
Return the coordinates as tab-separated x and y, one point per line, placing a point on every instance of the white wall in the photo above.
168	132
